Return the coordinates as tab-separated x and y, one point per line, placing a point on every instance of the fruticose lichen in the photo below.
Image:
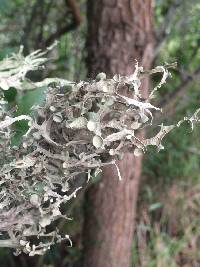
80	128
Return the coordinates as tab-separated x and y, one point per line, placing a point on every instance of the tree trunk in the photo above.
119	31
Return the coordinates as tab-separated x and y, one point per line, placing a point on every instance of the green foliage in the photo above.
182	44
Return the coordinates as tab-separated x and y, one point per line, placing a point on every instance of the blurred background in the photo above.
167	229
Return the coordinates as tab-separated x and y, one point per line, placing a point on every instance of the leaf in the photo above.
9	121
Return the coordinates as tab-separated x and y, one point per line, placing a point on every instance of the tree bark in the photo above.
119	31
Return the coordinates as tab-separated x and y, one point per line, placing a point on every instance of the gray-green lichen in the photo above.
80	128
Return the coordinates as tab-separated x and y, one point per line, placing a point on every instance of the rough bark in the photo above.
119	31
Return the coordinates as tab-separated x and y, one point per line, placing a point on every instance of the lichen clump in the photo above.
80	128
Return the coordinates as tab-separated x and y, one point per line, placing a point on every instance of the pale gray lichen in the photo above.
80	128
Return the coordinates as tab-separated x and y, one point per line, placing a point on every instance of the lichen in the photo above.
80	128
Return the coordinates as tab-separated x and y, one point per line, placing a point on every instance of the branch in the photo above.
76	20
75	11
8	243
43	19
161	34
29	23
